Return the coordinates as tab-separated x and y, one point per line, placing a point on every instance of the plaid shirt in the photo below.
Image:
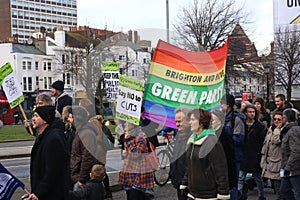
135	171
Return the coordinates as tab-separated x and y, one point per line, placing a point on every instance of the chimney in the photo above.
130	35
135	37
60	38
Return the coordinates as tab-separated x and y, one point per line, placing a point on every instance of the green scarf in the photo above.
204	133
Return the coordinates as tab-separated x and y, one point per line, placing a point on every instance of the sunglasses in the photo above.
277	119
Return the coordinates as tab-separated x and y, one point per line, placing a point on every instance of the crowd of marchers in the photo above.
217	154
259	148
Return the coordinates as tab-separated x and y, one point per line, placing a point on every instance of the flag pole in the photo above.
26	191
25	117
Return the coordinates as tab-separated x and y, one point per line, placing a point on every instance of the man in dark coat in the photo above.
62	99
290	163
178	163
49	157
254	139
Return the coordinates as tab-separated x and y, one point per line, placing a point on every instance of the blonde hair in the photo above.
98	172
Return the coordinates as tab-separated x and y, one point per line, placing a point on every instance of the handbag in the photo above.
151	157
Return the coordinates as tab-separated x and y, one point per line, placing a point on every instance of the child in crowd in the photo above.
93	189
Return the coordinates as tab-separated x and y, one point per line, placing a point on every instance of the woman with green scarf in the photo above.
207	176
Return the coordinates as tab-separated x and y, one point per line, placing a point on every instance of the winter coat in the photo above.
229	150
48	164
63	100
136	172
271	154
291	151
206	161
254	140
101	151
237	132
84	153
92	190
178	163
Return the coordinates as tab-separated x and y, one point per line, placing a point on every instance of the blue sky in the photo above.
148	16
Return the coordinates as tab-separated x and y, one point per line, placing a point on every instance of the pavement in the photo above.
166	192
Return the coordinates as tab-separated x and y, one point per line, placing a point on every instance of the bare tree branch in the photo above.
287	59
205	25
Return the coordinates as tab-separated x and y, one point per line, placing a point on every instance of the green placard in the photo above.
16	102
110	66
130	83
4	71
128	118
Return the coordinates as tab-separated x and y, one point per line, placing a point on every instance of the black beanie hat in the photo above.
228	99
47	113
59	85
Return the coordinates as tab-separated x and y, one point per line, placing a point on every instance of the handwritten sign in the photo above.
11	86
129	100
111	80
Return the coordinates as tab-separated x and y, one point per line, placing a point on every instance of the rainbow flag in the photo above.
178	77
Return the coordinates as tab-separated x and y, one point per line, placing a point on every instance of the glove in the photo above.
286	173
182	187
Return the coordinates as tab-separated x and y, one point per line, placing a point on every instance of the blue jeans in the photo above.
258	180
234	194
290	187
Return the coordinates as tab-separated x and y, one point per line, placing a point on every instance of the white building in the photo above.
133	61
34	69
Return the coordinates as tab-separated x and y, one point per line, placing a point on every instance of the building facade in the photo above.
246	72
20	18
35	71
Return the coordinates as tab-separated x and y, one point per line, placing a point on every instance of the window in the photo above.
132	72
49	66
45	83
122	57
36	65
24	65
250	80
24	84
68	78
45	66
29	65
49	82
145	60
29	83
258	88
63	59
37	82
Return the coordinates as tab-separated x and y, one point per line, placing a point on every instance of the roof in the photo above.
132	45
28	49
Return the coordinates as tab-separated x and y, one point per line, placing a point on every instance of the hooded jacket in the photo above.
63	100
206	175
84	153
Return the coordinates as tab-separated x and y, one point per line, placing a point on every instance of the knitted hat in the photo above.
59	85
259	100
47	113
228	99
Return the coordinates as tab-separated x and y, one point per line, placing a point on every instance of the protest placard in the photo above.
111	80
129	100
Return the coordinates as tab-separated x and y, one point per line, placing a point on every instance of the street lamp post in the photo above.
267	70
167	17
